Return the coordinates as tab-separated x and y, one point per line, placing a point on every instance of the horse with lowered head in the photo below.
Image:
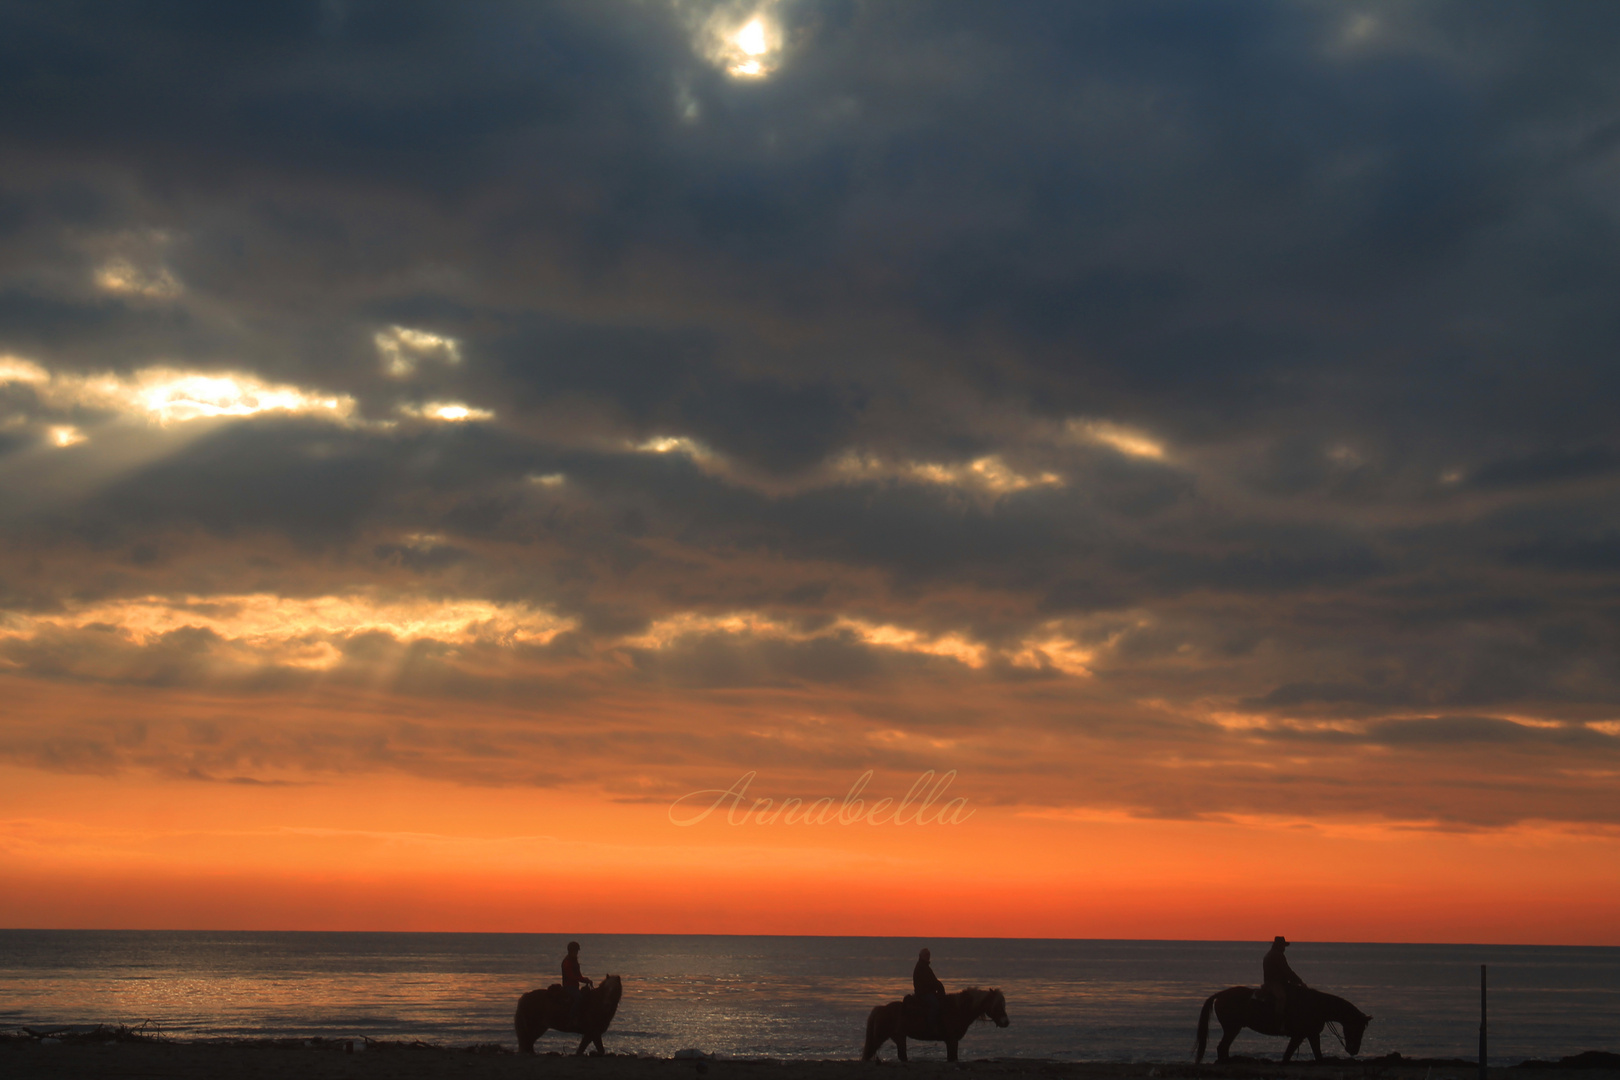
545	1010
1309	1011
898	1020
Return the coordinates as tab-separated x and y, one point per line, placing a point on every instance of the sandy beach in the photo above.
26	1059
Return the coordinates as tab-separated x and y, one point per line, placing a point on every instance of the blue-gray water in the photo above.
791	997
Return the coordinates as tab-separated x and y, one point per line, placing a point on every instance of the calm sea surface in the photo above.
790	997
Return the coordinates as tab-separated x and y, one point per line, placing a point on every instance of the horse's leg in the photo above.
1316	1044
950	1050
599	1050
900	1043
1293	1044
584	1041
1227	1035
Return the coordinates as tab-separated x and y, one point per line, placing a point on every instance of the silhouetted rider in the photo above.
573	979
1279	978
929	990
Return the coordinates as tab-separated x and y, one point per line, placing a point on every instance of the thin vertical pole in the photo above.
1482	1022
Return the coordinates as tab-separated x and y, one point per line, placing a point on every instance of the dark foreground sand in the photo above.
27	1059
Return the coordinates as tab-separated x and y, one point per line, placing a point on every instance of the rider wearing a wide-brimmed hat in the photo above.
1279	977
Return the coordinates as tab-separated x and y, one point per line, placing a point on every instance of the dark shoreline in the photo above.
127	1054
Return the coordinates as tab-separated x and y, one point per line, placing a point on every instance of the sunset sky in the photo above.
436	438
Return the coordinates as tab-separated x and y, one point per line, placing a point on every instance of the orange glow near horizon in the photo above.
404	854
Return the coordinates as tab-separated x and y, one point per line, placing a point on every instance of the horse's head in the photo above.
1354	1029
995	1007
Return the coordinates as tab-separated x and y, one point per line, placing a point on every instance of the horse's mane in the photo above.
973	996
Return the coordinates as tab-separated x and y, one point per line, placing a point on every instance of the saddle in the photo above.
920	1017
559	1005
1266	1001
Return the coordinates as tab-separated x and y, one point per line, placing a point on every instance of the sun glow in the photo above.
750	50
751	42
751	38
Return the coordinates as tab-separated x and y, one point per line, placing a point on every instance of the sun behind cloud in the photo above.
749	47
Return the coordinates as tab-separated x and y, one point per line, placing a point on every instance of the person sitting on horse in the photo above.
1279	977
573	979
929	990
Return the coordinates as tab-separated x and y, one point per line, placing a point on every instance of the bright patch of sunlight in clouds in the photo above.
122	277
988	474
675	444
166	395
888	636
1049	649
65	435
402	349
170	396
450	412
299	632
14	369
1127	441
667	631
1053	650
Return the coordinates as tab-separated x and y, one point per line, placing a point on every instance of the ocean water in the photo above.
795	997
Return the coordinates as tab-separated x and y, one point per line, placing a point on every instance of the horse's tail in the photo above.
523	1022
1203	1028
874	1033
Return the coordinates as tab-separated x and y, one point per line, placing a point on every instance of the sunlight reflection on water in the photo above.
790	997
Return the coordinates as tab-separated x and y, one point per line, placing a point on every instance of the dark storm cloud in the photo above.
1600	554
1263	352
1547	467
1146	203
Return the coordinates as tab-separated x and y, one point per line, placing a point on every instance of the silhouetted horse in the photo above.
1309	1011
898	1020
545	1010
